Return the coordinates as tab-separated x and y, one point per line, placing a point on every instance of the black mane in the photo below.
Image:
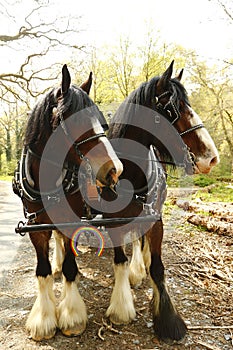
143	96
40	124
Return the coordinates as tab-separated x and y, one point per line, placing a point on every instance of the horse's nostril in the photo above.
112	171
111	176
214	161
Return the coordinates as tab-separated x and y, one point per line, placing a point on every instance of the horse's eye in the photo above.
181	105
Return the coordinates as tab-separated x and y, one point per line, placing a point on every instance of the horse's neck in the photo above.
137	168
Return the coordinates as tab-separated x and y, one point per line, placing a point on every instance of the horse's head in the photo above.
83	127
171	100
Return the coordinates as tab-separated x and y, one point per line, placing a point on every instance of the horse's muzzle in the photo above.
111	173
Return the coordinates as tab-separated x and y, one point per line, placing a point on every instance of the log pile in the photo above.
214	217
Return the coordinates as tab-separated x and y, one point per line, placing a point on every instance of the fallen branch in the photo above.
211	347
212	225
219	209
190	328
8	295
100	331
105	326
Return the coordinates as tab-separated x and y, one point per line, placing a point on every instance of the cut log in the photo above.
212	224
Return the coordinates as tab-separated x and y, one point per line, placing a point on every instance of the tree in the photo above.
227	8
104	90
32	48
39	36
212	96
123	67
156	56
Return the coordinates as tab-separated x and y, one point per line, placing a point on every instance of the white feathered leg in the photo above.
58	255
42	322
121	309
137	270
72	314
146	253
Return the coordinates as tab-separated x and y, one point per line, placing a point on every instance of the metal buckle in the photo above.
148	208
31	217
157	119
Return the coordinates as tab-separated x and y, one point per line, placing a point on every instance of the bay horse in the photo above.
64	136
160	127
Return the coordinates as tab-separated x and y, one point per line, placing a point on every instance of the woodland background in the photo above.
117	69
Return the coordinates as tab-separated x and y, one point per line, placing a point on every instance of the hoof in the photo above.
135	280
40	337
115	320
121	319
74	331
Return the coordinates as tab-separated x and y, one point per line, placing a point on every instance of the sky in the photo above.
195	24
198	25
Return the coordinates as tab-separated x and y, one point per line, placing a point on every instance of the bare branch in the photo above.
226	10
48	34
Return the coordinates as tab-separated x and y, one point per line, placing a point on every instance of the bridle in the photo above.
171	112
76	144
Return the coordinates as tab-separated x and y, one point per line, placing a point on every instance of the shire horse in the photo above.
156	114
64	135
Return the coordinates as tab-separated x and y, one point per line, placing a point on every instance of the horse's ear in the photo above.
179	76
66	80
164	79
86	86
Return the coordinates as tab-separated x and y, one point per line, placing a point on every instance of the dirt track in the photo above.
199	278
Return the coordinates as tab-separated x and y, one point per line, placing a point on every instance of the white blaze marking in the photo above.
203	161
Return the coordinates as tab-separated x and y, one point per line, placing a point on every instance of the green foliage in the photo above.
7	178
8	168
218	192
178	178
203	180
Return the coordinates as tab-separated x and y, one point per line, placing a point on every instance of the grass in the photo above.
6	178
218	192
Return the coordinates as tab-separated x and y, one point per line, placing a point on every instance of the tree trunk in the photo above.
8	146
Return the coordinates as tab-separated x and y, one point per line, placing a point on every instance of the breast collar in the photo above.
23	184
147	195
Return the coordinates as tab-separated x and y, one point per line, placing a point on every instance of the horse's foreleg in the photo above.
121	309
168	324
42	321
58	254
137	270
72	314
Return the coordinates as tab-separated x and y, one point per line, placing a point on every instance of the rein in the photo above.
148	159
193	128
75	143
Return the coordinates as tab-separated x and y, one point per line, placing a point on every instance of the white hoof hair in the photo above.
137	271
121	309
72	314
42	321
58	255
